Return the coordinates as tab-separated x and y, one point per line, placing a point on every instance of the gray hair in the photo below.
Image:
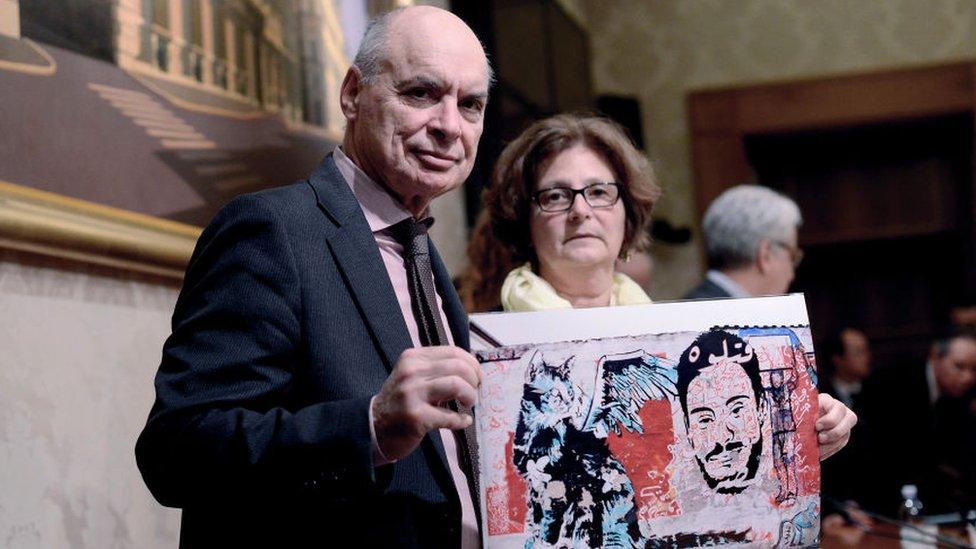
374	48
741	218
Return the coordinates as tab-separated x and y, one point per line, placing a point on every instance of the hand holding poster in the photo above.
674	438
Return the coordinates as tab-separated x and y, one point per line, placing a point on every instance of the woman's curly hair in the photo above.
501	239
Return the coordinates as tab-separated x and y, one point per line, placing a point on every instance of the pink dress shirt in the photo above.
382	211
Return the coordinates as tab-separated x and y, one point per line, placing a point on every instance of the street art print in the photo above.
684	439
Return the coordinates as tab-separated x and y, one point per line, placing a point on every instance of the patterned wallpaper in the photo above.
660	50
79	350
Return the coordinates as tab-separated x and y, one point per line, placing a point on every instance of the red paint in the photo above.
506	506
646	458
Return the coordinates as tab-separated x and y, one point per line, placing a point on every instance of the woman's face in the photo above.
582	236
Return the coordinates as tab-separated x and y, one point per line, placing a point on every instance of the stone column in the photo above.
206	23
10	18
177	41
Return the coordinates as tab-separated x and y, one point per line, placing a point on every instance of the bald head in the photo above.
426	25
414	104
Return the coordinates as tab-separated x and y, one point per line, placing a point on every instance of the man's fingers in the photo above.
835	433
832	430
831	412
448	388
434	362
443	418
833	440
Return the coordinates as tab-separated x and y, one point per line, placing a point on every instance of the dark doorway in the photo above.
887	225
541	60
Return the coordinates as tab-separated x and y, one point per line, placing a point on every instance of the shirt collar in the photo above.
723	281
849	388
382	209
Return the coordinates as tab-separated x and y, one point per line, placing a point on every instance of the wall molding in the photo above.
59	226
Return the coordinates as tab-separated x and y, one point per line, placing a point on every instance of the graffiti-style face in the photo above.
724	425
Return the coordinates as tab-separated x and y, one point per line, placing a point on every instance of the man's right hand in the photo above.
409	403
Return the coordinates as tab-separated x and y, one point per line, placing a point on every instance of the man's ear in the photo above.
352	86
764	255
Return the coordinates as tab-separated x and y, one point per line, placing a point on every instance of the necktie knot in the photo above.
412	234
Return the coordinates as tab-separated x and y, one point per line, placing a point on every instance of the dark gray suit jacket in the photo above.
286	326
707	290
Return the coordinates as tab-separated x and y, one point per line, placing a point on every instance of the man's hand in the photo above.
834	425
408	405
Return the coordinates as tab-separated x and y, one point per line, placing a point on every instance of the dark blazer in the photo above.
286	326
913	441
707	290
842	476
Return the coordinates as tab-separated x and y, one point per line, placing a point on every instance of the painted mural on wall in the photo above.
172	107
667	440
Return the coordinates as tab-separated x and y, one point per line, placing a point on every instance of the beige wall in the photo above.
78	350
659	50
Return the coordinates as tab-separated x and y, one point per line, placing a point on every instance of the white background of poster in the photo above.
679	316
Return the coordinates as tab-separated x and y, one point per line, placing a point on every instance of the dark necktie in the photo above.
420	280
423	300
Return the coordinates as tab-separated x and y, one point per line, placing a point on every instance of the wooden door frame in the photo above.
720	119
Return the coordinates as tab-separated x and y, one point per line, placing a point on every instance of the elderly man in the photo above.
300	398
751	239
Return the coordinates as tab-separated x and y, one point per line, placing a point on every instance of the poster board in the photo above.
666	425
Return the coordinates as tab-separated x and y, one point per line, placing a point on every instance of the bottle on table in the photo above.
914	531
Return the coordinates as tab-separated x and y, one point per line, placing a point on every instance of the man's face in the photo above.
855	363
415	128
781	269
955	372
724	425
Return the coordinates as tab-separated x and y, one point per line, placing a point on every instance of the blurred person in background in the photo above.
920	429
750	236
848	365
568	197
849	356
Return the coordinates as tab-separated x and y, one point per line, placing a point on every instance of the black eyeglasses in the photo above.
795	252
560	199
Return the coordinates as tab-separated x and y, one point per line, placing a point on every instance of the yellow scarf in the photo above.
524	290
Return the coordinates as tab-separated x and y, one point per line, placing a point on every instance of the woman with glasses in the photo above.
568	198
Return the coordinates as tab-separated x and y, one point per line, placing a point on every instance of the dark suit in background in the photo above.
286	326
843	477
910	440
707	290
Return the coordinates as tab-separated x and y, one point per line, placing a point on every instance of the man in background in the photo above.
849	354
847	368
920	430
751	240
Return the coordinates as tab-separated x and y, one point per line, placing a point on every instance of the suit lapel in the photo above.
354	248
357	256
